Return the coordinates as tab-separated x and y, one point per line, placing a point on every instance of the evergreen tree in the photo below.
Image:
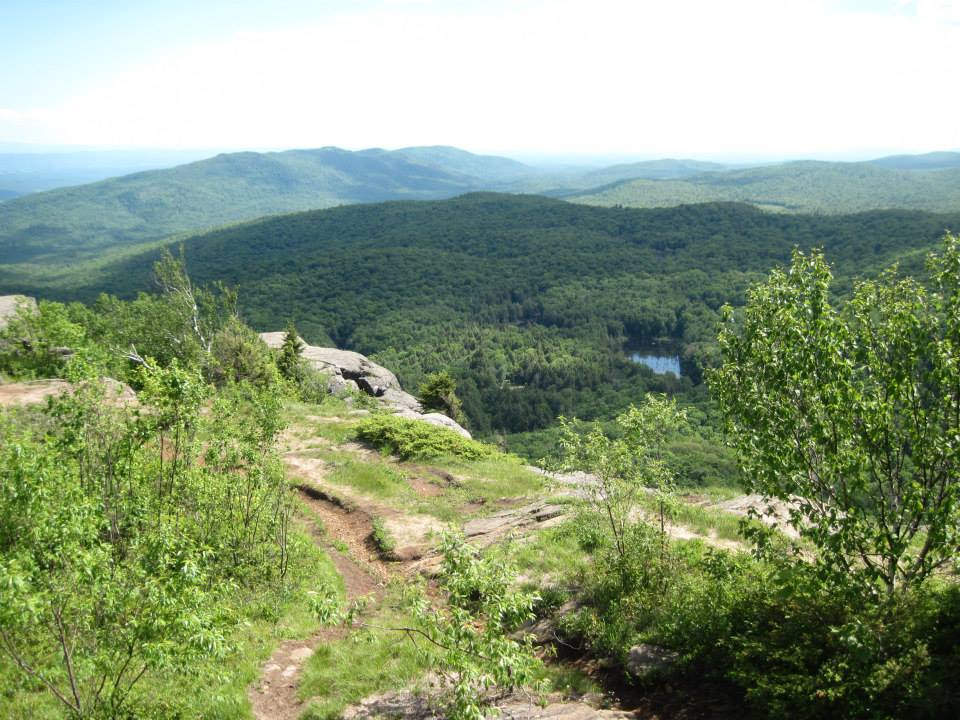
289	362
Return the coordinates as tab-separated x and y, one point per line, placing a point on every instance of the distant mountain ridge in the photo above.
30	171
59	228
228	188
805	186
927	161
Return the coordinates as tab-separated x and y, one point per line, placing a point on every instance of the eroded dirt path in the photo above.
274	696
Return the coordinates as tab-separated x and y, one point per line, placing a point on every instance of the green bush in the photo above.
415	439
795	644
439	392
238	354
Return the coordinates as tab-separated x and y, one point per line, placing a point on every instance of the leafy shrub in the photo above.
121	549
415	439
38	342
473	646
797	644
238	354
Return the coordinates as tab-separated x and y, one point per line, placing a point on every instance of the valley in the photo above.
536	492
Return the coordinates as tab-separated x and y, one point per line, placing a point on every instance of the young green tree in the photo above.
101	581
439	392
628	465
289	362
853	413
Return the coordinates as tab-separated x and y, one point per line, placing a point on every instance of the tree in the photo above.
439	392
197	313
853	413
628	465
289	362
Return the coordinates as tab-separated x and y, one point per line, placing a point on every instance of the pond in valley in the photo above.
658	363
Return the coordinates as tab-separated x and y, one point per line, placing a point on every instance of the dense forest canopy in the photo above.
47	235
529	302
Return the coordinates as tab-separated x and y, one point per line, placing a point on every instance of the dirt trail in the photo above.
274	696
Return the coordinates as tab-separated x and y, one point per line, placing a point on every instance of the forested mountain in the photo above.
530	302
62	225
927	161
805	186
45	234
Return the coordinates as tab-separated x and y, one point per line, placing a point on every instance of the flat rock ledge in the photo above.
412	705
486	530
34	392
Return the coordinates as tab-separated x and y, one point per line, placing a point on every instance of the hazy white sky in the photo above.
673	77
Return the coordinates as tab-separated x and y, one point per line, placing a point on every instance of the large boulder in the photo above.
372	378
400	401
9	304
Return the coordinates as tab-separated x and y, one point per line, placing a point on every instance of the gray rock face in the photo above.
400	401
339	385
424	704
350	371
372	378
9	304
647	659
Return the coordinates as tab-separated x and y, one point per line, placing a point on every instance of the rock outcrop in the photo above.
646	660
350	370
33	392
372	378
9	304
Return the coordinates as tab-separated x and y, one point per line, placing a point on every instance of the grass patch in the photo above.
366	662
706	521
382	538
372	478
553	552
494	477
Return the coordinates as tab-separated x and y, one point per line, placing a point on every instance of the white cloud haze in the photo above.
657	78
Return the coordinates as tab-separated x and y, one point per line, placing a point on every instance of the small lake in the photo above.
658	363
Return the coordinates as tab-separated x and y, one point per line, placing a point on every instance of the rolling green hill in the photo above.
804	186
47	235
666	169
67	224
530	302
927	161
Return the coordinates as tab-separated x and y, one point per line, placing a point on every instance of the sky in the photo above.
721	79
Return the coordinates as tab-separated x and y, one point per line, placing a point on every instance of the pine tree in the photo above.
289	362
